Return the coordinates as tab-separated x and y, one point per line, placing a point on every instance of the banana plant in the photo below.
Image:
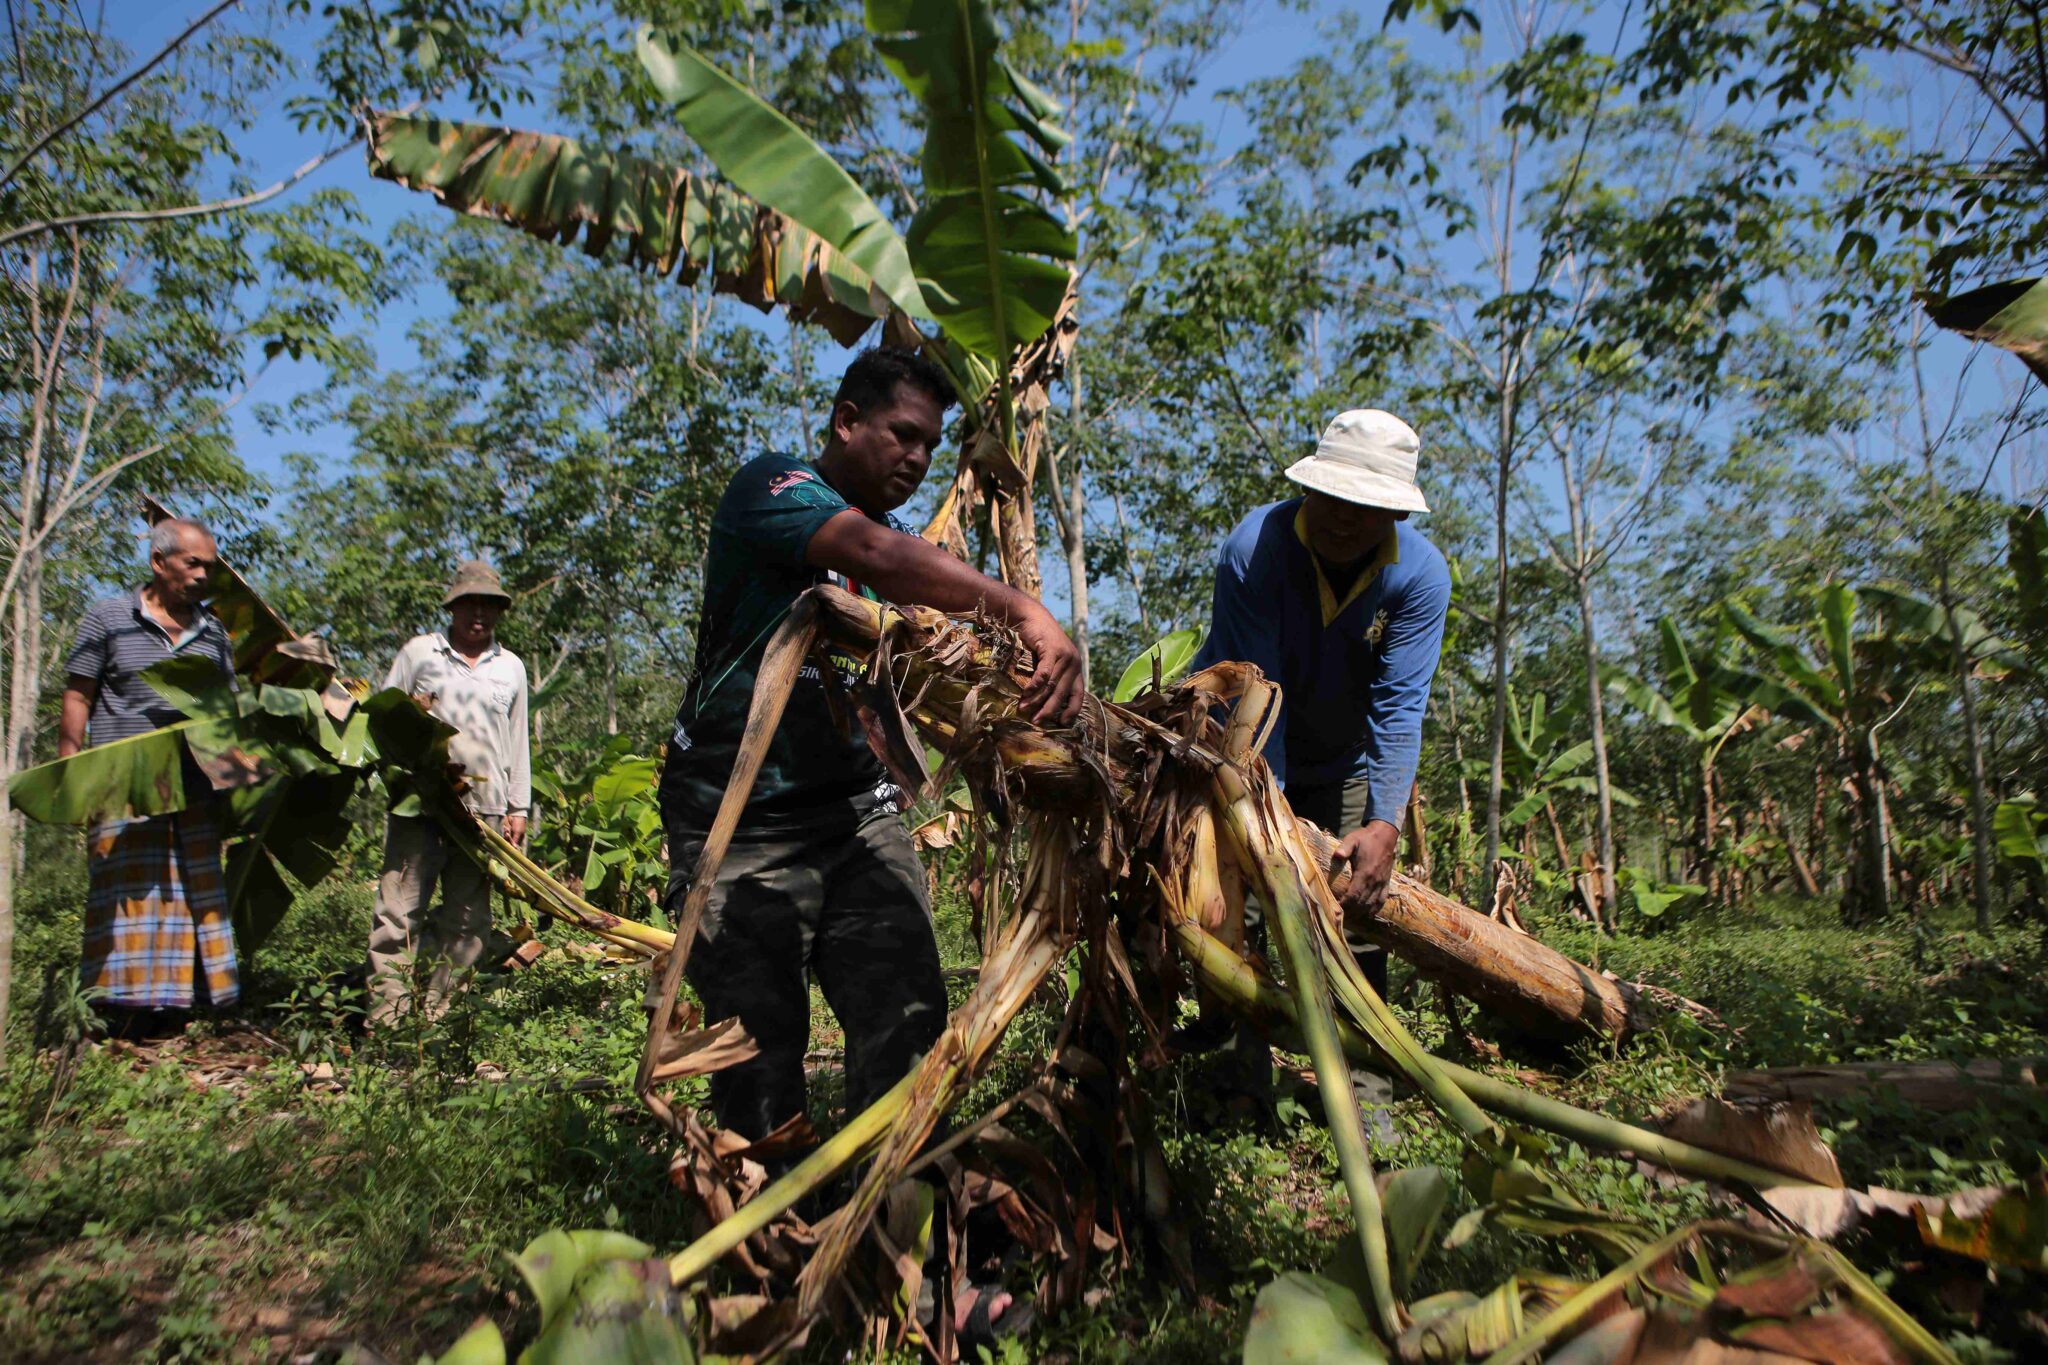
785	225
1704	701
1159	664
1539	762
1852	684
603	819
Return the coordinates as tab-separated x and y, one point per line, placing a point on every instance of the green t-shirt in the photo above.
754	572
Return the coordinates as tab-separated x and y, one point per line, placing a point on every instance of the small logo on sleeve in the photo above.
789	479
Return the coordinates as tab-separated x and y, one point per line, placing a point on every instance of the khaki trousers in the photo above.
406	938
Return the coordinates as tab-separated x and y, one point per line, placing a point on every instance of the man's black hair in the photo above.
870	381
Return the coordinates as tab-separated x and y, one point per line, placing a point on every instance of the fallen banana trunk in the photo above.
1518	978
1945	1087
1143	829
1512	976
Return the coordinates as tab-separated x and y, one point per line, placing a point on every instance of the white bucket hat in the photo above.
1368	457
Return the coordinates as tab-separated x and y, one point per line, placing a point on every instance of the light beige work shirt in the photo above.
486	702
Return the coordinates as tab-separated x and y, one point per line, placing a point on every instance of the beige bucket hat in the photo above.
1368	457
476	579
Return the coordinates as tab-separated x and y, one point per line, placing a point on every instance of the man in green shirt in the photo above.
821	877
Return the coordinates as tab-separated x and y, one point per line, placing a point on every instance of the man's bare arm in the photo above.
907	569
79	694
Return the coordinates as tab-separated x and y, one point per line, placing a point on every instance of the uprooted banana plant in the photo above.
1125	846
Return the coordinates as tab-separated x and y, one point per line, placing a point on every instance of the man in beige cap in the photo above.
478	686
1337	598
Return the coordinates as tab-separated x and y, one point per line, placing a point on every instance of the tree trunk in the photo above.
1508	974
1132	568
1497	724
1869	895
1703	869
1507	395
1809	886
1069	505
24	669
1596	711
1943	1087
1418	836
1817	823
1980	801
1588	895
1464	842
10	835
611	683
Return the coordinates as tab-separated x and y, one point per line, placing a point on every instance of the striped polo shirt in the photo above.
116	641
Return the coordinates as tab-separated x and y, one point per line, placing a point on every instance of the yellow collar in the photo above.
1388	553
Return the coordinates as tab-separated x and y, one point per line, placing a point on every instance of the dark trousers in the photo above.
844	903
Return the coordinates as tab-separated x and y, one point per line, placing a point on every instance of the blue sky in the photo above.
1265	47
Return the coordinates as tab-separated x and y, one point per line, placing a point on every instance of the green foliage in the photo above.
1650	897
1542	759
2021	828
991	260
1306	1317
1167	658
601	821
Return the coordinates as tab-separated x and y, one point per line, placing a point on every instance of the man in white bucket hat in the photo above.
1340	600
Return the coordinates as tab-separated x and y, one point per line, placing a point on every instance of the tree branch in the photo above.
116	88
181	210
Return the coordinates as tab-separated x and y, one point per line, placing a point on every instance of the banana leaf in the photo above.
1171	653
2012	314
1799	689
992	263
143	775
1302	1317
670	221
1914	615
766	156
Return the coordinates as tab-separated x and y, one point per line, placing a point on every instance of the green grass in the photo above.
198	1210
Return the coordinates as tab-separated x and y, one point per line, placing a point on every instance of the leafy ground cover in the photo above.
271	1185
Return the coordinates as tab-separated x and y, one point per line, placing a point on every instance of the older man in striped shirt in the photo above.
157	933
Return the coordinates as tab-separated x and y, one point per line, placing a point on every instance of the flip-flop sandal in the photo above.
1015	1319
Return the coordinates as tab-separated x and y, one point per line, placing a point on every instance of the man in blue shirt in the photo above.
1338	599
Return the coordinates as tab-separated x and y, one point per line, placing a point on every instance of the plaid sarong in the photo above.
156	912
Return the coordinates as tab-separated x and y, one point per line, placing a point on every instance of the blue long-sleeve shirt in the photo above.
1354	669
